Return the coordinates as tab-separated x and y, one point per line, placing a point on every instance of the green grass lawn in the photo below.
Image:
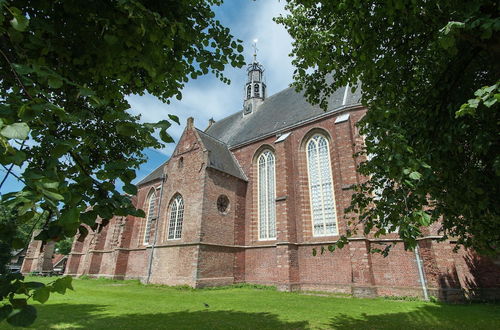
106	304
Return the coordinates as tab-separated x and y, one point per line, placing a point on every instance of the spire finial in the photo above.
255	49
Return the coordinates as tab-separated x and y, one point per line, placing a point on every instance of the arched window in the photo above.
149	217
267	198
256	90
176	217
323	213
249	91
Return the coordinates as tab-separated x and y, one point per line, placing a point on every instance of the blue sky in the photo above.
207	97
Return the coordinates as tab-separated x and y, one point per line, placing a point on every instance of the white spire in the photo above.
255	49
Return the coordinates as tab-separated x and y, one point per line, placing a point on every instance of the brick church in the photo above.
247	198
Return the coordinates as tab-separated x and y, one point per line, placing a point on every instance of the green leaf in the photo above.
5	311
130	189
165	136
42	294
61	284
34	285
55	82
69	216
164	124
126	129
23	317
17	243
423	218
16	131
415	175
174	118
52	195
18	302
88	217
314	252
19	22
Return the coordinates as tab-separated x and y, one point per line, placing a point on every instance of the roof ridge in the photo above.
267	98
151	172
213	138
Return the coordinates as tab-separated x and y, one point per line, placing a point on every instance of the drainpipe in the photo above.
157	221
421	273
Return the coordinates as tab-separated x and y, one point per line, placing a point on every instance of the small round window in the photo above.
223	204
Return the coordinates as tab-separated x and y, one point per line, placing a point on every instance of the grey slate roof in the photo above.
279	111
219	156
156	174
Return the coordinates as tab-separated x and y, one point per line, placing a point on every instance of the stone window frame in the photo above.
259	154
256	90
150	216
305	143
228	206
175	217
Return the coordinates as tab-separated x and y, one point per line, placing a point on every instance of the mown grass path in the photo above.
105	304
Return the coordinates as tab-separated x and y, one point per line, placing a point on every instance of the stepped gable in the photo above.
219	156
276	113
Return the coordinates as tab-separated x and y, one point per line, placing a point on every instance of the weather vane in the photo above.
255	49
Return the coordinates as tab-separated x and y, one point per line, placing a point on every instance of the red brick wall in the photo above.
219	249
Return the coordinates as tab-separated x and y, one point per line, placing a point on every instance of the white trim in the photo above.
342	118
321	186
344	101
283	137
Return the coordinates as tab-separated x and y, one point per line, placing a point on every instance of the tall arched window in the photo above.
267	198
323	213
176	217
149	217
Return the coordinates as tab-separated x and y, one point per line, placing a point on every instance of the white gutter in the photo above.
421	273
344	101
157	227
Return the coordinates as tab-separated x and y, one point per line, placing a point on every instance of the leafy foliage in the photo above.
18	292
430	78
64	246
66	67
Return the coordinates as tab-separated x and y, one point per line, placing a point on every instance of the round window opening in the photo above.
223	204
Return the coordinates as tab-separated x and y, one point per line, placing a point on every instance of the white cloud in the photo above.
207	97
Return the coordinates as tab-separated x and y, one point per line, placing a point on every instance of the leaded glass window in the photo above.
150	216
323	213
176	217
266	201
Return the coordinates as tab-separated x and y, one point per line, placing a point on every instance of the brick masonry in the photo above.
223	248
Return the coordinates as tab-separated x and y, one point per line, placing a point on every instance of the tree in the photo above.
65	69
429	72
64	246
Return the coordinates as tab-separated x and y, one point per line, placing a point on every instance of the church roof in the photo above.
277	113
156	174
219	156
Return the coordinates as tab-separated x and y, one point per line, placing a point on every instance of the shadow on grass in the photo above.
87	316
438	316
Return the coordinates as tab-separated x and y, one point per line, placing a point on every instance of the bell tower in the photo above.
255	88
